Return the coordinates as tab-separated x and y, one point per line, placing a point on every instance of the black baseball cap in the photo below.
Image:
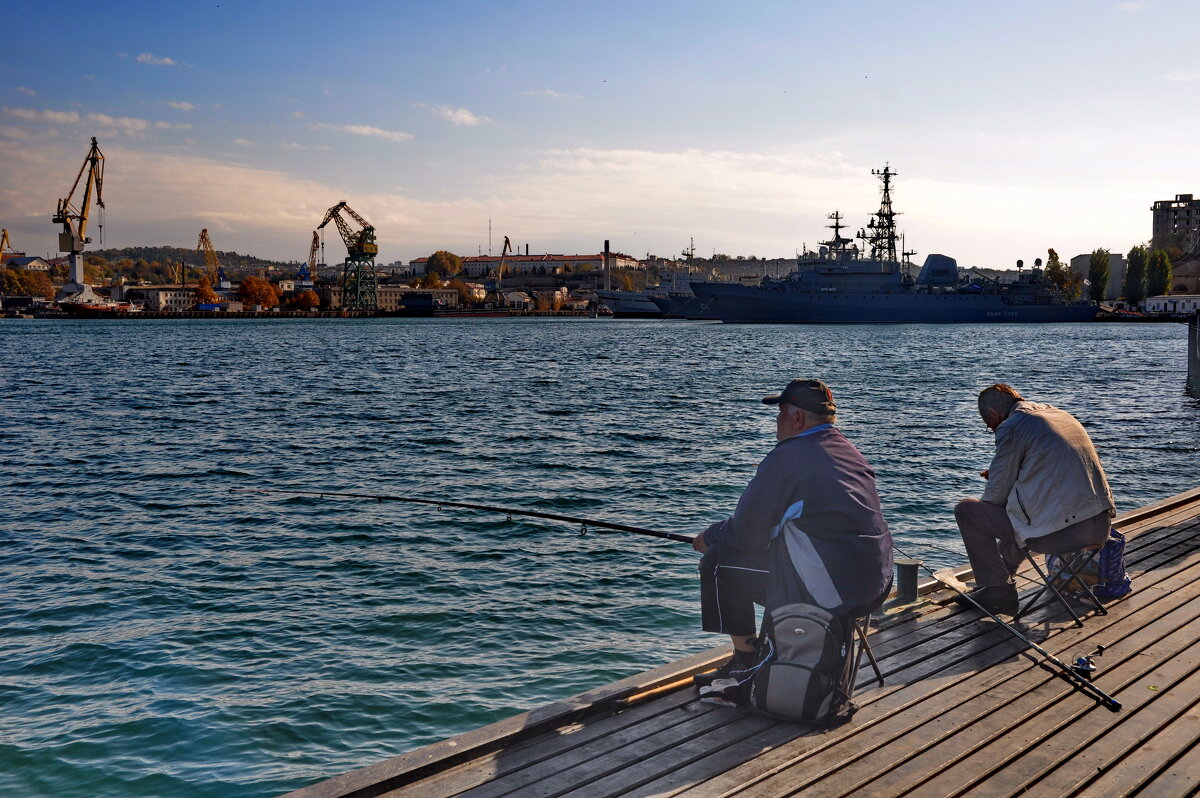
810	395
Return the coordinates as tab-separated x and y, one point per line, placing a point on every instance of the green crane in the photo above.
359	286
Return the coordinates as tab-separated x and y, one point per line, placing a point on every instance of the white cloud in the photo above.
180	105
1183	76
554	95
298	114
243	142
130	126
459	117
151	58
294	146
364	130
1130	8
27	90
8	131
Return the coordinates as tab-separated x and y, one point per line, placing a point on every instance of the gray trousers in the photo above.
992	544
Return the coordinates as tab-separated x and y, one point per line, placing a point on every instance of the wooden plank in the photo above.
552	744
381	777
793	755
931	739
1111	748
1181	777
980	748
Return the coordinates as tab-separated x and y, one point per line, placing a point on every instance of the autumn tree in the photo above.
464	292
1158	273
258	291
204	293
1098	274
305	300
21	282
444	262
1135	273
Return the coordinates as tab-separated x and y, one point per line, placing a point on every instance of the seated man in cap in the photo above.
807	528
1046	491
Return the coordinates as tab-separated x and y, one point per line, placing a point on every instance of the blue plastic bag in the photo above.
1106	574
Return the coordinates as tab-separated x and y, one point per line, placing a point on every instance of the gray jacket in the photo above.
1046	472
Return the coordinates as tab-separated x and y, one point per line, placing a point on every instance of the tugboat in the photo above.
842	283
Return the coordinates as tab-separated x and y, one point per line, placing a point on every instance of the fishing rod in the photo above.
584	523
1077	680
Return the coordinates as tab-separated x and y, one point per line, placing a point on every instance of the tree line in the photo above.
1148	272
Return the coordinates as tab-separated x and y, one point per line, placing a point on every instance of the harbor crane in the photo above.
6	247
74	220
496	288
307	270
213	269
359	285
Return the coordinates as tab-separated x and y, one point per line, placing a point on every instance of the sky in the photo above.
1013	127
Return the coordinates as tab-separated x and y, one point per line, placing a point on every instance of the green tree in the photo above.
1055	271
1158	274
444	262
1135	273
1098	274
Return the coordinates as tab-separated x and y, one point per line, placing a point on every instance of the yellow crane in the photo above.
74	220
359	285
212	266
5	244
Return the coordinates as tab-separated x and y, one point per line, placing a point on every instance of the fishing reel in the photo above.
1085	666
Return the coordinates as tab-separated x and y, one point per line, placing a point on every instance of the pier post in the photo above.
906	580
1194	352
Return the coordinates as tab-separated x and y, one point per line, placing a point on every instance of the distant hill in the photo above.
232	261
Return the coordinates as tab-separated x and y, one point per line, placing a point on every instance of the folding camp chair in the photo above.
1072	564
861	627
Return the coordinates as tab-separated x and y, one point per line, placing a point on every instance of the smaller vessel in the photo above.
629	304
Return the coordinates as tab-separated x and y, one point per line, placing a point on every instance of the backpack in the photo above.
804	666
1105	575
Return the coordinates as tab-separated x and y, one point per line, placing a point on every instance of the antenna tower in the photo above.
882	236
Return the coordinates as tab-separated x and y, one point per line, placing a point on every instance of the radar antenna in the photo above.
882	237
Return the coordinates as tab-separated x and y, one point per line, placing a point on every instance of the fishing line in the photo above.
585	524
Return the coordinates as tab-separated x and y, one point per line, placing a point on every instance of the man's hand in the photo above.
984	473
698	543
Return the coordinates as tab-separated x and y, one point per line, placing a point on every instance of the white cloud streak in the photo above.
1183	76
154	60
130	126
459	117
364	130
554	95
180	105
27	90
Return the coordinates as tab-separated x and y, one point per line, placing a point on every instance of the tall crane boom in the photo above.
212	266
359	285
74	219
305	277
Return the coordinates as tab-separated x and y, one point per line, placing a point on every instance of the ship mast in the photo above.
882	237
837	244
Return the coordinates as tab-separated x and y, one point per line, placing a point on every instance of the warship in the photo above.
845	283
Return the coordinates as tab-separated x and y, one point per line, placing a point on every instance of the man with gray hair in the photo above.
807	528
1046	492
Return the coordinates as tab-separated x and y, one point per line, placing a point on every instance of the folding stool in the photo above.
1072	564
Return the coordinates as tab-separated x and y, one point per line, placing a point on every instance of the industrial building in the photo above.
1176	223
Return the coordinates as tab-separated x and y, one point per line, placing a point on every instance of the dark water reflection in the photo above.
163	636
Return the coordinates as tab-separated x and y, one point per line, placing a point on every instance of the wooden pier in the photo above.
965	710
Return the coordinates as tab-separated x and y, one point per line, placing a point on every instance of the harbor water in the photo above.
163	636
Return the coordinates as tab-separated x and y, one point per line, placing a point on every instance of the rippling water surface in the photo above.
162	636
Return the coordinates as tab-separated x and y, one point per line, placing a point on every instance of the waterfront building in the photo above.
1176	223
1081	265
392	297
485	265
1175	304
28	264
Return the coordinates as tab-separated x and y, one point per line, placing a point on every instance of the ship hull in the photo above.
738	304
681	306
629	304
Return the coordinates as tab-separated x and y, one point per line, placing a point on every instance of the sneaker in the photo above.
996	599
740	661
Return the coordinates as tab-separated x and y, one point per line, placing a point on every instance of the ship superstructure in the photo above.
843	282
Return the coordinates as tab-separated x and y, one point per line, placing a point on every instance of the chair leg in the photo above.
861	632
1048	585
1081	561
